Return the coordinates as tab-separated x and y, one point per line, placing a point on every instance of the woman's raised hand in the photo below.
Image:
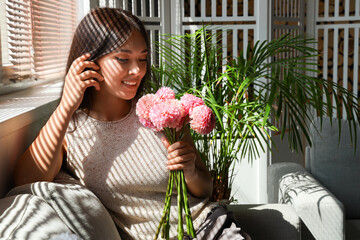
77	81
43	159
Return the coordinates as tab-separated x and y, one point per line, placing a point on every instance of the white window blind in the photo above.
39	38
19	38
53	23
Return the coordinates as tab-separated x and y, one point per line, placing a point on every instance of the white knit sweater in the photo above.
124	164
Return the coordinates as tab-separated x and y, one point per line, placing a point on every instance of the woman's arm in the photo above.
183	155
42	160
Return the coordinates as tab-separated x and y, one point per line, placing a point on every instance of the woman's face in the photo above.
124	68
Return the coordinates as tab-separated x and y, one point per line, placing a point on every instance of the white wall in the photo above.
22	115
248	186
250	182
83	7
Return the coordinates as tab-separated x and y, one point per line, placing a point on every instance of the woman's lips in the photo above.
129	83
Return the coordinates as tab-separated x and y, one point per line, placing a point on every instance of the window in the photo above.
35	39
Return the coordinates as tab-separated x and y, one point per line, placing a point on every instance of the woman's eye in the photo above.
143	60
122	60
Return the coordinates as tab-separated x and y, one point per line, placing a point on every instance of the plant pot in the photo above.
221	188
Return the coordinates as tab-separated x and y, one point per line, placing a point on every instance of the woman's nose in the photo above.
134	67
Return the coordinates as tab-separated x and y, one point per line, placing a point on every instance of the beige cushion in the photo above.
77	207
29	217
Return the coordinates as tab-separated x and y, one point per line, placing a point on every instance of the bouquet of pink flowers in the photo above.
163	112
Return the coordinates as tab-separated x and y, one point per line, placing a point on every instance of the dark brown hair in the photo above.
101	32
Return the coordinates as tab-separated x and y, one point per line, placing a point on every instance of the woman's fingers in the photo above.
80	64
185	159
178	149
176	167
81	75
90	74
91	83
177	145
75	65
181	156
181	152
186	164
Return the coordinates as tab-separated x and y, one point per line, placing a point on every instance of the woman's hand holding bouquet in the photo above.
163	112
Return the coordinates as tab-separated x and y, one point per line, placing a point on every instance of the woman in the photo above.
96	132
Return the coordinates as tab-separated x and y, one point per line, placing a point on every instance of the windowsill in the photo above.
22	108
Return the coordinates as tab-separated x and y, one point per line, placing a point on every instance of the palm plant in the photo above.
250	94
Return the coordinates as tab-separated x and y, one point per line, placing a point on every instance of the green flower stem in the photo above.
180	205
167	219
182	199
189	223
166	212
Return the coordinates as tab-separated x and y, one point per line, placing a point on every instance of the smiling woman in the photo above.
105	45
95	136
123	71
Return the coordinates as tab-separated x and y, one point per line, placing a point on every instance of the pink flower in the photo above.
165	93
162	110
190	101
202	119
144	105
184	114
165	114
149	124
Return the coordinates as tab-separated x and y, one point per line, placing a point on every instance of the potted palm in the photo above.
250	94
